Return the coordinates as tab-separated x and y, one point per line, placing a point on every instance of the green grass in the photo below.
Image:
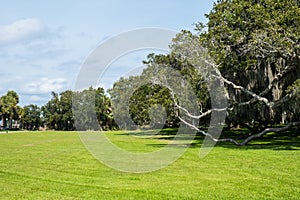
55	165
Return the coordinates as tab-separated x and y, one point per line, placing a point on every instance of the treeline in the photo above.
55	114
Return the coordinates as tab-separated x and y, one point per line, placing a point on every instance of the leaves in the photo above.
31	117
8	107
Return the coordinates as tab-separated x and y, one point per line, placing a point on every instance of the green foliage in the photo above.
103	110
252	41
31	117
57	112
93	108
255	44
187	70
150	97
293	105
120	101
9	108
242	33
146	96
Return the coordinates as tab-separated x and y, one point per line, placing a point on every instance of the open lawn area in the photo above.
56	165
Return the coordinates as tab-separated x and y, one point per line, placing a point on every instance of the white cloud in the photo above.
20	30
45	85
35	98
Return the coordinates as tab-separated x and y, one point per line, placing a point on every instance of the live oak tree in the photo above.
188	73
254	45
249	46
140	97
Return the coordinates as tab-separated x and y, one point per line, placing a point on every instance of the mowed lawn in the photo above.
56	165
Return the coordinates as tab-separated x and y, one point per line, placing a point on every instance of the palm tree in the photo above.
9	107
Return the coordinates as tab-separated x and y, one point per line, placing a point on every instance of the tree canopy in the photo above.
255	46
9	108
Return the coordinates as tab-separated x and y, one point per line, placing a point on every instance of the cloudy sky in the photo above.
44	43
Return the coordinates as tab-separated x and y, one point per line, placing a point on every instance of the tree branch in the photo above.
255	96
276	79
269	130
270	86
248	139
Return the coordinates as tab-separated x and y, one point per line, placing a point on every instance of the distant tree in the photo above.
1	111
31	119
65	108
120	100
20	115
92	109
57	112
104	110
8	106
134	105
143	105
50	112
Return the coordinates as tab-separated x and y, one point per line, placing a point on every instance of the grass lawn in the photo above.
55	165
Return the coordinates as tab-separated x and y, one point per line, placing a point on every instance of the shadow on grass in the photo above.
166	132
289	140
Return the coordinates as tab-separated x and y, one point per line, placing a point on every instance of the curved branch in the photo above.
207	134
254	99
277	77
255	96
248	139
269	130
202	114
284	99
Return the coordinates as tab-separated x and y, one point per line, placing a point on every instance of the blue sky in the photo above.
44	43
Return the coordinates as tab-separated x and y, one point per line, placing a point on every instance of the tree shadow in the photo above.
289	140
171	132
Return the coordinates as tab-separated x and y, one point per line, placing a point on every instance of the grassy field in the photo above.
55	165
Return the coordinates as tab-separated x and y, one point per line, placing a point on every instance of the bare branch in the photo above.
258	97
207	134
269	130
276	79
248	139
282	100
202	114
255	96
193	116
